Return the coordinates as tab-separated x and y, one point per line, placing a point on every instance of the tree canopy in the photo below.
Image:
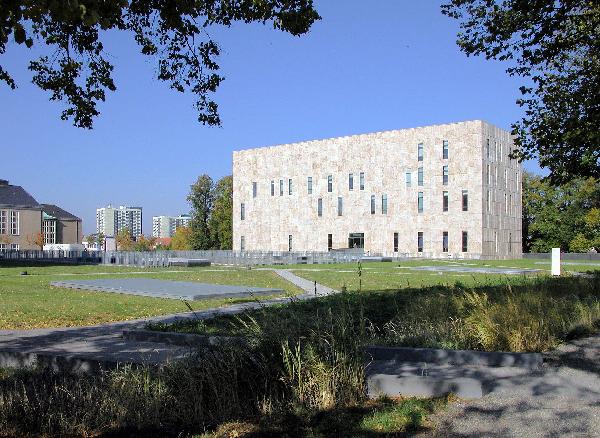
565	216
555	47
201	199
75	68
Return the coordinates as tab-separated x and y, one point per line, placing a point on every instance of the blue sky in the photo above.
366	66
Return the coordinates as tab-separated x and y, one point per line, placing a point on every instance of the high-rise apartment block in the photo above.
434	191
165	226
111	220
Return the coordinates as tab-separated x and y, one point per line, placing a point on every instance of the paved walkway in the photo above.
561	400
105	342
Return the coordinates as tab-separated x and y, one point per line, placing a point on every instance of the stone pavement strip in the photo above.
560	400
105	343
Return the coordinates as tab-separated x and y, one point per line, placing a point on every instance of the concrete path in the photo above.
105	343
561	400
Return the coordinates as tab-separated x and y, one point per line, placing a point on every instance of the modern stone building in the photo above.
437	191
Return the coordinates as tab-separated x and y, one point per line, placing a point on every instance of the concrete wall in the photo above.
68	231
384	157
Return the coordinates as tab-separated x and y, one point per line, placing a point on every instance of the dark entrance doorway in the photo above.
356	240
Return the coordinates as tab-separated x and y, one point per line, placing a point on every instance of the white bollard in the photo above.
555	261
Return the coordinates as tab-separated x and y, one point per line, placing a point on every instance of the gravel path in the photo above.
561	400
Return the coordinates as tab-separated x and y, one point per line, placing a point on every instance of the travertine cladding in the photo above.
384	157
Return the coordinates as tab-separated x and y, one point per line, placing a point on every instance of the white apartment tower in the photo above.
110	220
165	226
437	191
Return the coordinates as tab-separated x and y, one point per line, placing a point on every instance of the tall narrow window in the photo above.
505	179
329	242
242	243
445	241
280	187
372	204
330	183
3	222
420	176
290	243
395	242
445	175
465	200
487	149
445	201
309	185
350	181
383	204
420	241
509	243
420	152
320	207
272	188
408	177
505	205
254	189
445	149
362	180
289	186
14	223
489	175
420	202
489	201
242	211
339	206
465	242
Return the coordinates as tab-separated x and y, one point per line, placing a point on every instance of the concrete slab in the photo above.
439	356
474	270
150	287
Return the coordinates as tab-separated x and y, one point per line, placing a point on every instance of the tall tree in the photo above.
221	219
554	47
201	200
124	240
182	239
74	67
553	216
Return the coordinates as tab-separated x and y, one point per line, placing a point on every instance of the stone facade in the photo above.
274	210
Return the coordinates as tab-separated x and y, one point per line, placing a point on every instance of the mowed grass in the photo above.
28	301
399	275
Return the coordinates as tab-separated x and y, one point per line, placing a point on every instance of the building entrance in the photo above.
356	240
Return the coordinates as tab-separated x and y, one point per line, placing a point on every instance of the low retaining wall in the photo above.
563	256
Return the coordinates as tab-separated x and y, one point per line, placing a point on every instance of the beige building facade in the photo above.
437	191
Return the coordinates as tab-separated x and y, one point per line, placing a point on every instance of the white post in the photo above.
555	261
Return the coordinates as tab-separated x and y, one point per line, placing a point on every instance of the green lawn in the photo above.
28	301
398	275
